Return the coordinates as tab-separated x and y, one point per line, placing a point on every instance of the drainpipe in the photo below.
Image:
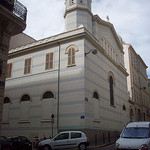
58	87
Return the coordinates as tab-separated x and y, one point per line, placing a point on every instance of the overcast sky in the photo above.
130	18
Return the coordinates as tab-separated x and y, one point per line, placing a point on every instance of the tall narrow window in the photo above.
96	106
47	105
49	61
111	85
24	107
131	115
71	51
9	70
27	66
6	107
71	57
1	67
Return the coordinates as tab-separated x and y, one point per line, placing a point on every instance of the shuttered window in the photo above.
9	70
71	57
49	61
27	66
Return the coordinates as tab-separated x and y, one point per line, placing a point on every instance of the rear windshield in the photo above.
135	133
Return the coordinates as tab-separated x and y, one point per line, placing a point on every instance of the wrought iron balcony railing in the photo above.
16	7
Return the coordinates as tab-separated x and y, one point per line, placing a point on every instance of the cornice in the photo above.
95	43
77	8
108	24
137	55
35	46
81	32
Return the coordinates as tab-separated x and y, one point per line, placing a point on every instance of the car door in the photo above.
75	139
61	141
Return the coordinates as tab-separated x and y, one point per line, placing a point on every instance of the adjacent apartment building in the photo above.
137	85
75	80
12	22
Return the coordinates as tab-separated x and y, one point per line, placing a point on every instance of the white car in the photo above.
135	136
65	140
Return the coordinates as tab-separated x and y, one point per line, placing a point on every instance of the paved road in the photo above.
110	147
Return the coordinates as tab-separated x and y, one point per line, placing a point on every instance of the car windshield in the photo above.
135	133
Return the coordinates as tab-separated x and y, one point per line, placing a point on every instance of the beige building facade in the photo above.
60	76
12	22
137	85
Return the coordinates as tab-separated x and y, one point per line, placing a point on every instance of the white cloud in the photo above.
129	17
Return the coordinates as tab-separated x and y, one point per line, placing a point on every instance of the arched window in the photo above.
95	95
48	94
111	86
47	105
96	106
71	57
6	109
25	108
6	100
71	50
25	97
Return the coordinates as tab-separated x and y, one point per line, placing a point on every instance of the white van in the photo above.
135	136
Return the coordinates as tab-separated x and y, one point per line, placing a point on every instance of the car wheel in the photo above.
82	147
46	147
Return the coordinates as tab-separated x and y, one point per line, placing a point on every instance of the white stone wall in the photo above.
39	81
78	14
97	70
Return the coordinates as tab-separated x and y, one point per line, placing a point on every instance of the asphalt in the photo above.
99	146
91	147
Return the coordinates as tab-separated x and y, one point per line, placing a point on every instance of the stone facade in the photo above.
54	76
137	85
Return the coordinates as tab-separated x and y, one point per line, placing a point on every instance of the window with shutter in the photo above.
9	70
49	61
27	66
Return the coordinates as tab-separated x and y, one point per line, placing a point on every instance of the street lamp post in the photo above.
52	120
94	52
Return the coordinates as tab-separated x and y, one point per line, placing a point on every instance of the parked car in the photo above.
20	143
135	136
4	144
65	140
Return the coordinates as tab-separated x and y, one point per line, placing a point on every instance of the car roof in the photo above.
15	136
138	124
71	131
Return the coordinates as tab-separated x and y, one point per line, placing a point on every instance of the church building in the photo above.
75	80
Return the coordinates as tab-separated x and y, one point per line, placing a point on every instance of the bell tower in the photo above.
78	13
